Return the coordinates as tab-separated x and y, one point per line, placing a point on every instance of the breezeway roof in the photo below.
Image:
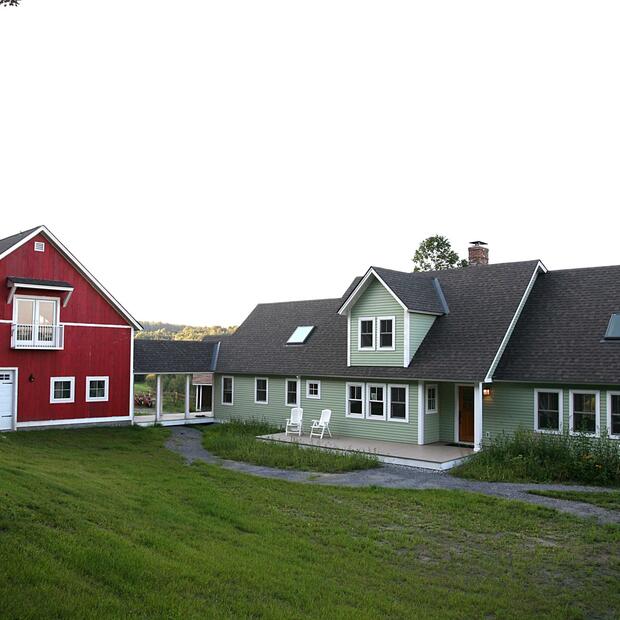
174	356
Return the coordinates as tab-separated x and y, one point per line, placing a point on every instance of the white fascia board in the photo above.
361	287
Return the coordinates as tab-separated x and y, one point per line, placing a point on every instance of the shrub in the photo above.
527	456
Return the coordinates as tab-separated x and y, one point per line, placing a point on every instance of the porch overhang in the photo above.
15	283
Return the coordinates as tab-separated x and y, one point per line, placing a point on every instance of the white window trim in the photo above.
232	391
57	301
404	420
261	402
308	395
609	395
71	399
39	246
102	399
348	414
369	386
359	333
426	389
560	394
378	330
597	393
296	404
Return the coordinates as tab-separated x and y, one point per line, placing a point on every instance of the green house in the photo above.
436	358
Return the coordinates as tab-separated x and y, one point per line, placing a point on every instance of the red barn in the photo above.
66	345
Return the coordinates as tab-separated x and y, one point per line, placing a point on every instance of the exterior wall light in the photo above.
486	392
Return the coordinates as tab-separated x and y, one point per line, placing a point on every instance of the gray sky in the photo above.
201	157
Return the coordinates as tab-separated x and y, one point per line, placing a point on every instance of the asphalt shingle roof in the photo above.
461	345
559	336
174	356
8	242
34	282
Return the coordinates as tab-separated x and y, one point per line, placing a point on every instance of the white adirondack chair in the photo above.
320	426
293	426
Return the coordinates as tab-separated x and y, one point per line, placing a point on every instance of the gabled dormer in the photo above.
388	315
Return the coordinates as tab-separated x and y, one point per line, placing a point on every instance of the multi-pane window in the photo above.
97	389
386	332
62	389
398	402
614	414
548	410
291	392
313	389
355	400
261	391
431	399
584	406
376	401
227	390
367	334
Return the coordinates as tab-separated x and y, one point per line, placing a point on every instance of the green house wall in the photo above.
377	301
419	324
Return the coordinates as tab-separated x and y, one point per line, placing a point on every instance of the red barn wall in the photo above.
88	351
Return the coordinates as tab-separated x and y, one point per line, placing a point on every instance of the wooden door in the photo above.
466	414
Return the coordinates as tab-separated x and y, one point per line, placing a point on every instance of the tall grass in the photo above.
526	456
236	440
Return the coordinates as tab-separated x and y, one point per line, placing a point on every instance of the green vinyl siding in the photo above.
333	396
377	301
446	412
419	324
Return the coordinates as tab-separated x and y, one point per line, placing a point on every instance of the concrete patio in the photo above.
436	456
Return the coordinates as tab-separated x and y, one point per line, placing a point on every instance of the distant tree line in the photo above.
156	330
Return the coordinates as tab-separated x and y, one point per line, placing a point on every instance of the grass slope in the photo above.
609	500
104	523
237	441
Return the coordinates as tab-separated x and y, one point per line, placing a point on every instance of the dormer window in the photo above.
366	333
300	335
386	332
613	327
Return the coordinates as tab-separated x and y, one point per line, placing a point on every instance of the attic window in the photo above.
300	335
39	246
613	329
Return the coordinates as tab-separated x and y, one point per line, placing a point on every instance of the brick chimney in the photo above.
478	253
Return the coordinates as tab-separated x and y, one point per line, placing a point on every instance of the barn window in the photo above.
39	246
62	390
97	389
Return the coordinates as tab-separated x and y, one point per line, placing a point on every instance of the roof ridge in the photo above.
592	267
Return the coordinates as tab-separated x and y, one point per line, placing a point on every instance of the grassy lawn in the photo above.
237	441
105	523
609	500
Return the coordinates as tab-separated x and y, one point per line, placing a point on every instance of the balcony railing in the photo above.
33	336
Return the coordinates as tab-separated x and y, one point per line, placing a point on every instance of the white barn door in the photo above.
7	387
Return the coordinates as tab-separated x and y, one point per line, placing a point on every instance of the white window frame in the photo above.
232	391
404	420
102	399
359	333
597	423
39	246
261	402
292	379
369	386
609	395
428	387
54	380
348	414
318	383
560	394
378	331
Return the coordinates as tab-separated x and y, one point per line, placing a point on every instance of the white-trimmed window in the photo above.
355	400
291	396
432	398
261	390
97	389
398	403
39	246
62	390
385	329
613	414
313	389
366	333
548	411
375	401
228	388
584	410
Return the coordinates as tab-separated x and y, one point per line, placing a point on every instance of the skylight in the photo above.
301	333
613	329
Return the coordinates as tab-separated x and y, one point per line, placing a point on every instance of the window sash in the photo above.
97	389
431	398
355	400
614	414
291	391
227	390
366	328
398	403
584	412
261	391
313	389
375	401
62	390
549	411
386	332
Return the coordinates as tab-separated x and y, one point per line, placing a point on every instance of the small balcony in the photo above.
33	336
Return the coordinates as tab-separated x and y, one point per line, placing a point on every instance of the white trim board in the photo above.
35	423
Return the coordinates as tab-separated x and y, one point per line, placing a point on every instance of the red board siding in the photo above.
89	351
86	305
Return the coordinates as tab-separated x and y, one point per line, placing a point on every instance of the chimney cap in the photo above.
478	243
